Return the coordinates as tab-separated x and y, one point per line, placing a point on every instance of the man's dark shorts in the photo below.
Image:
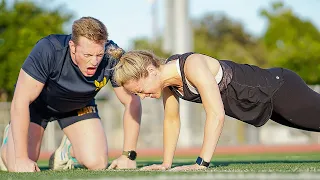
41	115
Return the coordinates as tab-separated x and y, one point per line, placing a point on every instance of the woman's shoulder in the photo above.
183	56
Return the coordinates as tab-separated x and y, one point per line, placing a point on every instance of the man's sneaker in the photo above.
61	158
4	141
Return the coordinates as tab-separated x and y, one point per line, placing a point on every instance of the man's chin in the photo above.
88	75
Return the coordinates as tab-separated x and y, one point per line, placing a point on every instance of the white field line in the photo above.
222	176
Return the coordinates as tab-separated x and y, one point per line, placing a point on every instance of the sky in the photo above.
130	19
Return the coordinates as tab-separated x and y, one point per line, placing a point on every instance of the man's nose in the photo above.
95	60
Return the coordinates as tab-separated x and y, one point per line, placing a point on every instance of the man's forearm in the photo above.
131	125
19	127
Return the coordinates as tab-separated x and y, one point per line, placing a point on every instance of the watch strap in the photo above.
126	153
201	162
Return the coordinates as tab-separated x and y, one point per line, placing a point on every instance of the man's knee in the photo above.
94	162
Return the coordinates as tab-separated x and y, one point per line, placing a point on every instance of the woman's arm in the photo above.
171	126
197	71
171	129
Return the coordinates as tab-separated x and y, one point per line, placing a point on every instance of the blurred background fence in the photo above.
235	133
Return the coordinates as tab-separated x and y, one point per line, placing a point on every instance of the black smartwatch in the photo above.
201	162
132	155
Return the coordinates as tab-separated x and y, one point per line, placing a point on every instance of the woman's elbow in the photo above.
220	117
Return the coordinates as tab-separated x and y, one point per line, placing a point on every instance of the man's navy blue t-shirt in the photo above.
66	88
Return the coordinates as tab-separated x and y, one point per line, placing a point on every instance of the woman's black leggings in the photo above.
296	105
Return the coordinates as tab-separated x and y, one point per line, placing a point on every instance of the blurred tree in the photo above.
21	26
292	42
154	46
218	36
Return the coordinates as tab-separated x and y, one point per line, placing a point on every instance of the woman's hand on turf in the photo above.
155	167
192	167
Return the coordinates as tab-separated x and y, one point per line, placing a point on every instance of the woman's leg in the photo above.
296	105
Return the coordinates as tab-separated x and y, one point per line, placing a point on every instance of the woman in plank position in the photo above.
245	92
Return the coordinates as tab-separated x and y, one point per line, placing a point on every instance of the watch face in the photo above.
132	155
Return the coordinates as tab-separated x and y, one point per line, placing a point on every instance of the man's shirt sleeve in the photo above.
39	62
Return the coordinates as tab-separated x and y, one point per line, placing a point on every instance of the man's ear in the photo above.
72	46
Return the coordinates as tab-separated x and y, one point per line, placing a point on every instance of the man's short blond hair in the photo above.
90	28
